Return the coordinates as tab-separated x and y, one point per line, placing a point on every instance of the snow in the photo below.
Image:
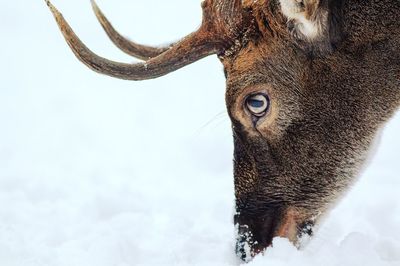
98	171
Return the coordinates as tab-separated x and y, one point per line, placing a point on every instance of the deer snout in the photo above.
255	232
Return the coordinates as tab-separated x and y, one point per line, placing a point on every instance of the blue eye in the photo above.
257	104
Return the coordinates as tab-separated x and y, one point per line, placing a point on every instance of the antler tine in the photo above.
129	47
221	19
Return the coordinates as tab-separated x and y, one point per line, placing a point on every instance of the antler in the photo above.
131	48
224	21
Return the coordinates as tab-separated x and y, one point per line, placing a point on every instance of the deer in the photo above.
309	85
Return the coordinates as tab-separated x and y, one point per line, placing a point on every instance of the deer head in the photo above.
309	84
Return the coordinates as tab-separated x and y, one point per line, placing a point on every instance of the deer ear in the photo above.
308	18
310	8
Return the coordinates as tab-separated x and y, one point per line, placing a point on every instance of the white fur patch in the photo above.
293	11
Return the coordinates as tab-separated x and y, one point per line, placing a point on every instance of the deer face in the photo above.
302	129
295	153
304	107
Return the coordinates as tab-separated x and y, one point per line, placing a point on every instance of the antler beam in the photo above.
223	22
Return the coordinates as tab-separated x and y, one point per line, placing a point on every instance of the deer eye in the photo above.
257	104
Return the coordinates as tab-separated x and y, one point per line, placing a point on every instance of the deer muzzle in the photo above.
255	232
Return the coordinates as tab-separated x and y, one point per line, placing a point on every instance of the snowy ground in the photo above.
98	171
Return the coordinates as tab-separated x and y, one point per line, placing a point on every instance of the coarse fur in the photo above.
331	72
328	102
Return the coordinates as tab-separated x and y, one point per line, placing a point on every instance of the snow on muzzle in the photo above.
256	231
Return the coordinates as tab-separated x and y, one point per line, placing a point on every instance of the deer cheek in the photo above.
267	125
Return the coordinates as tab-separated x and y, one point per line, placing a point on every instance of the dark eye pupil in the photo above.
255	103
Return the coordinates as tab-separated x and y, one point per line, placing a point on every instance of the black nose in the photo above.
249	244
254	233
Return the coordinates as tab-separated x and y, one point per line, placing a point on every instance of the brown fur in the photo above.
326	108
331	87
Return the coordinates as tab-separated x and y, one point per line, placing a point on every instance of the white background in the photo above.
99	171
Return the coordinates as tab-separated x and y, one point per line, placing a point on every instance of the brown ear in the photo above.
307	17
314	22
310	8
